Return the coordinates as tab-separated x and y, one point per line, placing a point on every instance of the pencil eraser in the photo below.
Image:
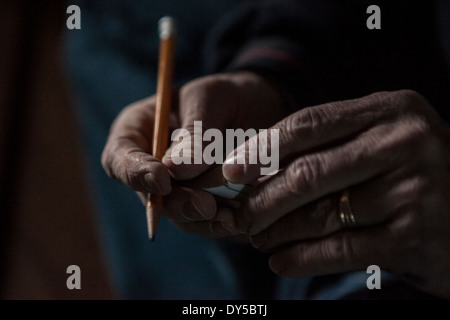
166	27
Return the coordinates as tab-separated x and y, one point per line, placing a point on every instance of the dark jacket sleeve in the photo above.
322	50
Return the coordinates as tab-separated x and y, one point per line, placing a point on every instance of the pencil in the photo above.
166	27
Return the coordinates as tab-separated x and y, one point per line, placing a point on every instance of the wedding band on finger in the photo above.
345	211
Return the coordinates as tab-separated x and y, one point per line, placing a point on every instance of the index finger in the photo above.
310	128
127	153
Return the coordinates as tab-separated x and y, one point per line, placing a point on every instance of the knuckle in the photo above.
307	124
421	185
418	134
303	255
410	101
412	133
407	230
414	195
420	128
211	83
303	175
294	127
411	97
339	250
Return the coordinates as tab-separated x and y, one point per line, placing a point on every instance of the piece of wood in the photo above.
163	103
214	182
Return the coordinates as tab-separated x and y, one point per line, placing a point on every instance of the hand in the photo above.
222	101
392	151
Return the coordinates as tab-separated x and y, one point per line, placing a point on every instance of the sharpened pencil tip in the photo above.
153	216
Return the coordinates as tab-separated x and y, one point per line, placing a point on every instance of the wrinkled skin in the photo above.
390	149
233	100
393	153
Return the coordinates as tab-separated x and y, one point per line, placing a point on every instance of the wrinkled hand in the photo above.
393	153
233	100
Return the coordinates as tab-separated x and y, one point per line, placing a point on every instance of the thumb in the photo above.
206	107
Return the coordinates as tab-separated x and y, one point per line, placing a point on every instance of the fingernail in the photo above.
258	241
207	214
230	227
276	264
154	186
191	213
232	171
217	228
225	217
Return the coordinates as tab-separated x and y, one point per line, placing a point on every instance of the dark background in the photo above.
46	217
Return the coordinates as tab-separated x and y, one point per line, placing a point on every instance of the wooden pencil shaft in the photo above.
162	112
163	97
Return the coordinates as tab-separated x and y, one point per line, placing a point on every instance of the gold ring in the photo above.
345	211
